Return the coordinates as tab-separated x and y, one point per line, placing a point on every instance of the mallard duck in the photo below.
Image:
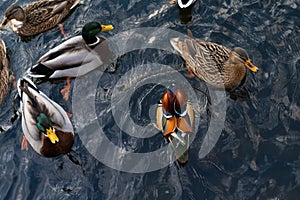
37	16
4	71
76	56
45	124
175	118
214	63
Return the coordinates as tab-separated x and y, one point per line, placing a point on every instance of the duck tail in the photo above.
23	84
181	147
76	2
189	32
39	71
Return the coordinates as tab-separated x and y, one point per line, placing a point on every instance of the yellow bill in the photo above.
51	135
107	28
251	66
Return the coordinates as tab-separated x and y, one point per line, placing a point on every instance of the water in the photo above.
257	154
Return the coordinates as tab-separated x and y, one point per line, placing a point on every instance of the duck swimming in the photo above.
214	63
175	118
38	16
45	124
76	56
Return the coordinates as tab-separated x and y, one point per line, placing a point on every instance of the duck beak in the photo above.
107	28
51	135
251	66
4	23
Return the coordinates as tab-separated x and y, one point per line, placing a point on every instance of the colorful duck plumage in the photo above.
175	118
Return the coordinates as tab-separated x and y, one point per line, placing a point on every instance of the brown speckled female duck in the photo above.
37	16
214	63
4	71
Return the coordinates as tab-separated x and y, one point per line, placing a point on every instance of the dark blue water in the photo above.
257	154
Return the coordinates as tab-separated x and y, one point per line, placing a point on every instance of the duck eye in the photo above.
243	54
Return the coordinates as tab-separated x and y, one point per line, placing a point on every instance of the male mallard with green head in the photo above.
45	124
76	56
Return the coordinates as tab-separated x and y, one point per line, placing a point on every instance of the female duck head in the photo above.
91	29
243	55
15	14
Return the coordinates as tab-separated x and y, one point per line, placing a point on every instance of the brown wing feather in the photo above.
4	72
218	53
199	58
44	14
206	60
42	11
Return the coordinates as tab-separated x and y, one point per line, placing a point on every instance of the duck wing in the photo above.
66	54
205	59
72	58
218	54
41	12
